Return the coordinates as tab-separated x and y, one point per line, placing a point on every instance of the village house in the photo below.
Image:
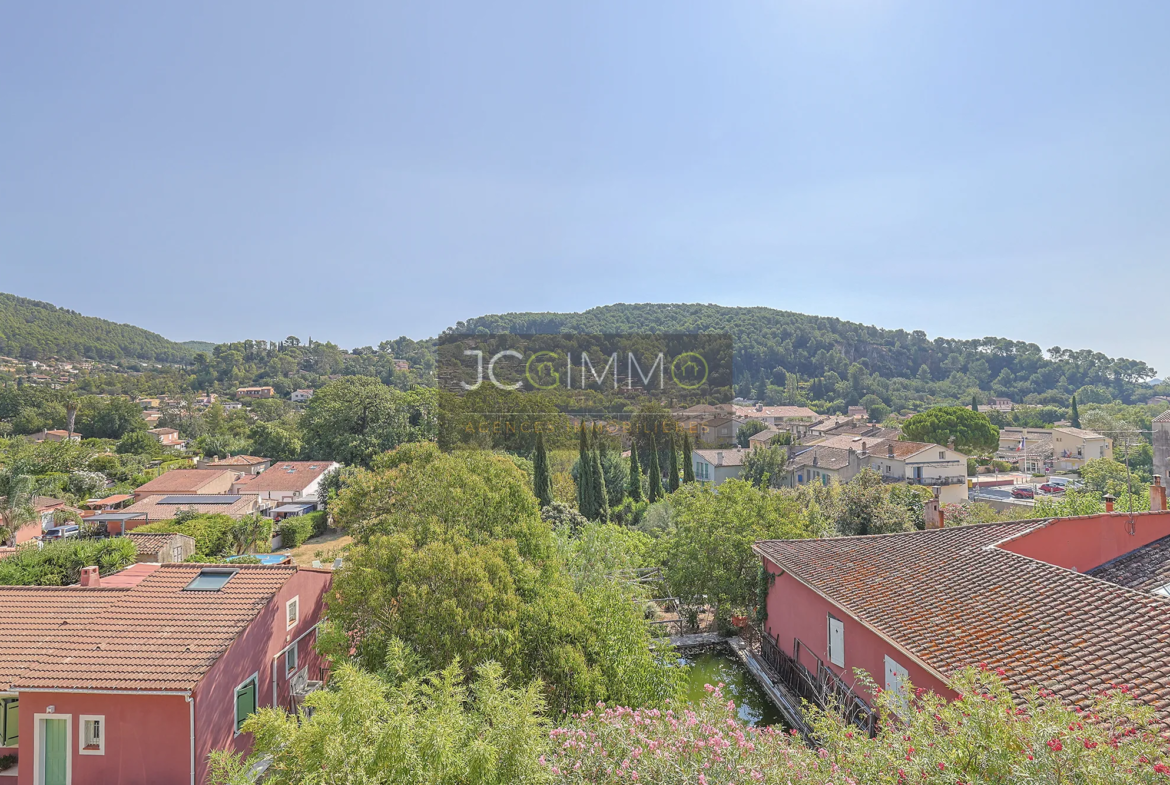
821	464
288	481
255	392
188	481
718	466
717	431
765	437
164	508
137	677
920	463
1073	447
162	548
301	396
248	464
795	419
1069	604
56	436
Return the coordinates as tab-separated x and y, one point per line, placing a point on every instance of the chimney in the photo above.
90	578
1157	495
790	449
951	443
719	458
816	459
890	450
1109	499
864	449
932	513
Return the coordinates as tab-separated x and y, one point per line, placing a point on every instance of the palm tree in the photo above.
16	504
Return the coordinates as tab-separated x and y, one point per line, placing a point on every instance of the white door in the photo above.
837	642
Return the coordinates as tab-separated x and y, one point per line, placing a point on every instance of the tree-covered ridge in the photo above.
34	330
836	361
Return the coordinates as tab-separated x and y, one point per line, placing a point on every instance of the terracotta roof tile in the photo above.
181	481
292	476
952	599
155	636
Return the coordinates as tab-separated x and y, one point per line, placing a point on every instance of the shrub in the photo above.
320	522
59	563
294	531
212	533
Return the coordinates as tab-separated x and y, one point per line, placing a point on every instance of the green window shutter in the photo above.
245	703
11	724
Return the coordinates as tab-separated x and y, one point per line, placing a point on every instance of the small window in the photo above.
1163	590
290	660
210	580
292	611
245	702
93	735
942	454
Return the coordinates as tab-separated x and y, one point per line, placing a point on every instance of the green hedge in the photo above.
320	521
210	532
294	531
59	563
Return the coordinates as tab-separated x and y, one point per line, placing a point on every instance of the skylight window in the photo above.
1163	591
210	580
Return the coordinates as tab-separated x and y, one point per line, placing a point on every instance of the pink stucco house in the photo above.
1067	604
137	677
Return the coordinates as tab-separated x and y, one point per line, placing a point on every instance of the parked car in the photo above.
1023	492
61	532
1049	487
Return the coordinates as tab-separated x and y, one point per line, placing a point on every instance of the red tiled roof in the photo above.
951	599
288	476
181	481
155	510
154	636
134	574
237	460
152	544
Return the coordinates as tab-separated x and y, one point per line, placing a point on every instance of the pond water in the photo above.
738	685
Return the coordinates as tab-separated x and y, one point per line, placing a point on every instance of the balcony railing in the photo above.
821	687
954	480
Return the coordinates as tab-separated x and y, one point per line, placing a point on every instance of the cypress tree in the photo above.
541	479
688	461
599	494
974	403
1075	417
634	489
584	484
672	479
655	473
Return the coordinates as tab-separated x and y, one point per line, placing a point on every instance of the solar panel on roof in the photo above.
206	499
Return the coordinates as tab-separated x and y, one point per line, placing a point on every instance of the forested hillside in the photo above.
33	330
786	357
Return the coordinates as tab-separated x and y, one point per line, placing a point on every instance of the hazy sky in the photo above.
361	170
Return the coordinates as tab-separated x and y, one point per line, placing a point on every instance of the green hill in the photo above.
786	357
33	330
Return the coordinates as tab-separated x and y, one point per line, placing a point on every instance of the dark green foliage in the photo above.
688	460
139	443
542	478
559	515
60	562
355	418
295	530
747	431
320	522
1074	415
634	486
974	403
597	492
34	330
212	533
972	431
655	473
672	473
586	504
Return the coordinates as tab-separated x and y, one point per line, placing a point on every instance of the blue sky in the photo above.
361	170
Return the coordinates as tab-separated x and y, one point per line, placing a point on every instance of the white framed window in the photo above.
290	660
92	739
836	641
292	612
246	700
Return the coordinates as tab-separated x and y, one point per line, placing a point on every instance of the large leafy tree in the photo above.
453	557
972	431
355	418
747	431
700	559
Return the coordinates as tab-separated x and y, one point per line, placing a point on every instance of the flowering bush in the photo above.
983	737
